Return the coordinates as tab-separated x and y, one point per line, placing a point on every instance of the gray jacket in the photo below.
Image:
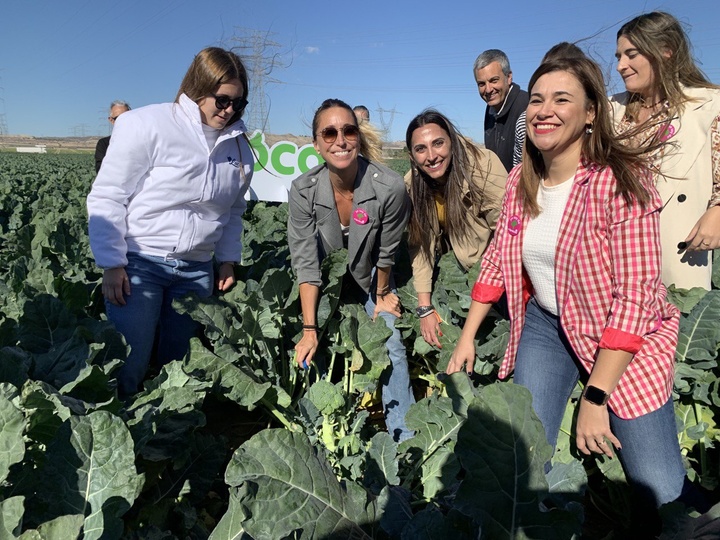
314	226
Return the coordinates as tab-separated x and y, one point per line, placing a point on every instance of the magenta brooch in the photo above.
514	225
360	216
667	133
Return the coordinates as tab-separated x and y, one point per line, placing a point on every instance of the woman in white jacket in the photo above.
169	195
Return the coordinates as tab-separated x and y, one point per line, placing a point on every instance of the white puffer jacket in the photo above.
161	191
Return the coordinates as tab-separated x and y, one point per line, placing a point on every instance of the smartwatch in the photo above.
595	396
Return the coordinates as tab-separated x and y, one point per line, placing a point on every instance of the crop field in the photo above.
235	442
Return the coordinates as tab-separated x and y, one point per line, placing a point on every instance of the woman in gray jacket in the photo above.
353	203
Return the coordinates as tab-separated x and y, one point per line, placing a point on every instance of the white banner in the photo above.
277	166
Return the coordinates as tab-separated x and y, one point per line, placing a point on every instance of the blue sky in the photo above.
63	62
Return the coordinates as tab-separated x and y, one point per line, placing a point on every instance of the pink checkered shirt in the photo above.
608	285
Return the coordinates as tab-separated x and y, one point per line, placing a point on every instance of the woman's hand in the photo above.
305	348
705	235
430	330
463	355
115	284
592	430
226	276
388	303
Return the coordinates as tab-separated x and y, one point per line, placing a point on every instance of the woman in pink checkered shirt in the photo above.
577	251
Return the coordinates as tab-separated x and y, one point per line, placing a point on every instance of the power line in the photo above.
386	123
262	55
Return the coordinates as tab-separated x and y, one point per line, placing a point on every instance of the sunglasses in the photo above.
223	102
349	131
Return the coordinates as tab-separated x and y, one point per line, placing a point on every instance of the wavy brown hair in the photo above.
211	68
465	156
655	35
600	147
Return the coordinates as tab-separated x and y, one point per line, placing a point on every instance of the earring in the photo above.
588	129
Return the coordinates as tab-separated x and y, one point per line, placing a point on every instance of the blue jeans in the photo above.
154	284
547	366
397	394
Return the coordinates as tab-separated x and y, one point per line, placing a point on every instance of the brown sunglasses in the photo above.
349	131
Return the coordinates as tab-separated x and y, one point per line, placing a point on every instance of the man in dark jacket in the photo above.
505	113
116	109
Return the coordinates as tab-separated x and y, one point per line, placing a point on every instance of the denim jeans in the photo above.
547	366
395	386
154	284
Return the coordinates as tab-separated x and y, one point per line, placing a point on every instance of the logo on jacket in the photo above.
234	162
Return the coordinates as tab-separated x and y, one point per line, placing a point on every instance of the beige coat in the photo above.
490	176
685	185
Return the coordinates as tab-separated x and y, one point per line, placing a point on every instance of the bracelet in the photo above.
383	292
424	311
311	327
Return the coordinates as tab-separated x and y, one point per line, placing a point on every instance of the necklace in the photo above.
652	106
346	197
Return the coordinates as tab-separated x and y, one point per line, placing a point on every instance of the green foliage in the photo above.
284	452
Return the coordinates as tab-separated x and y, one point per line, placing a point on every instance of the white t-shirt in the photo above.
540	241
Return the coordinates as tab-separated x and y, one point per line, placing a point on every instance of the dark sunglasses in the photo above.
223	102
349	131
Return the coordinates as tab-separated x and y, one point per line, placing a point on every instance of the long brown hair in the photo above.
211	68
600	147
465	156
370	141
655	35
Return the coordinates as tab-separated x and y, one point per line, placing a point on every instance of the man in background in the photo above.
116	109
361	113
506	104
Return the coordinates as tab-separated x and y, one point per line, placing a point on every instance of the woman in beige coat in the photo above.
456	190
671	108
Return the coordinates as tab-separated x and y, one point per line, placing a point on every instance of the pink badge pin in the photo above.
514	225
667	133
360	216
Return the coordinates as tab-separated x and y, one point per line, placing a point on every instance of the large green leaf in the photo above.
436	425
12	446
685	299
431	524
46	323
382	462
700	331
371	337
176	490
334	267
11	516
230	526
90	470
166	413
14	365
218	318
235	382
503	449
292	488
60	528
